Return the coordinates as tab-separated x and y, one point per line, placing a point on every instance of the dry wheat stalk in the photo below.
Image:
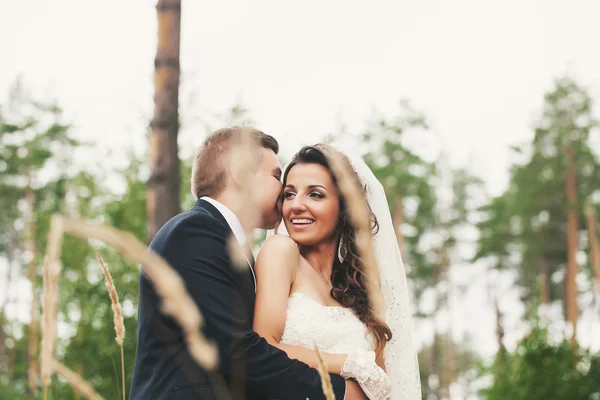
78	384
168	284
48	322
52	269
117	315
325	378
359	213
114	300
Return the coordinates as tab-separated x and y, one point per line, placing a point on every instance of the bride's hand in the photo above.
361	366
378	386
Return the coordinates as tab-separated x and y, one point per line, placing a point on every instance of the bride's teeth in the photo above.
302	221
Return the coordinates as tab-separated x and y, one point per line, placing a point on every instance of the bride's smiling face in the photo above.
311	204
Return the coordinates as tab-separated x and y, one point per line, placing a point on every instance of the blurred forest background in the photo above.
537	241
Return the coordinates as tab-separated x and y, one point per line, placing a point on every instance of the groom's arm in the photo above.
213	284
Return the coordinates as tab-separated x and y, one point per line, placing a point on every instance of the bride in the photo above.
311	285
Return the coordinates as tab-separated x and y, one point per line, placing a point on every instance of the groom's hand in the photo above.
353	391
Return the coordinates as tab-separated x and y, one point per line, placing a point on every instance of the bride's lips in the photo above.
301	223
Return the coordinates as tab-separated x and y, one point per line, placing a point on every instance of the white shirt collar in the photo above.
232	220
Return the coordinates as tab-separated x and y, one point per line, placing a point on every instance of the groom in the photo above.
195	244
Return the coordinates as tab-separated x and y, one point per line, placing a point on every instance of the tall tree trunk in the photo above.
10	248
398	220
592	228
435	366
435	361
12	361
162	201
32	345
5	357
572	243
544	281
449	367
450	348
3	354
499	326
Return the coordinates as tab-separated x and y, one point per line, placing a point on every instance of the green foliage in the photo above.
495	234
526	225
443	362
519	227
407	176
431	203
33	142
525	229
36	148
540	369
128	211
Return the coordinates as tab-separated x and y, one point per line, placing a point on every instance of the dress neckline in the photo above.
300	294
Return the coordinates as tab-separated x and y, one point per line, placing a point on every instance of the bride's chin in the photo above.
300	239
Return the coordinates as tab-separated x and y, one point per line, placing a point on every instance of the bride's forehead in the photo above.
302	173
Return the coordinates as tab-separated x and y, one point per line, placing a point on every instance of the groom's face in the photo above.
269	188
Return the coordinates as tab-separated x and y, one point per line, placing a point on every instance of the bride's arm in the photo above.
381	362
275	270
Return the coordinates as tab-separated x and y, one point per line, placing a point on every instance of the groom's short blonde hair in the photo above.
209	175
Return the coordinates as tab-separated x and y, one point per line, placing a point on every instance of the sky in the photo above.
477	69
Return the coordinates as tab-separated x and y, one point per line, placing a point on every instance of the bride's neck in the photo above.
320	257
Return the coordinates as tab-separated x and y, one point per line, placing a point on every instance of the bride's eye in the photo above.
317	195
288	195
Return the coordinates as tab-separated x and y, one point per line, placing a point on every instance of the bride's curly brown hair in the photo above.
348	278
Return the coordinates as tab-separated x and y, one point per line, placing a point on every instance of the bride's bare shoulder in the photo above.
280	245
279	249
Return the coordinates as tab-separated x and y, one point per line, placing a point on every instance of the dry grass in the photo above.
114	300
52	269
325	378
117	315
78	384
168	284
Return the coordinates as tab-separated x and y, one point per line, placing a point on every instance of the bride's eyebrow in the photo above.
289	186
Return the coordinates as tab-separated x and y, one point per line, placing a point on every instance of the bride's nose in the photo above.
298	204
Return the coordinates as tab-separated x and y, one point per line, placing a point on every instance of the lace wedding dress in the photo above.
332	329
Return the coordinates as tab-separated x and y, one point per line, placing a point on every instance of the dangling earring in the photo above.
340	252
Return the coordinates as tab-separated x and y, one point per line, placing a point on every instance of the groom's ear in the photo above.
233	171
235	175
